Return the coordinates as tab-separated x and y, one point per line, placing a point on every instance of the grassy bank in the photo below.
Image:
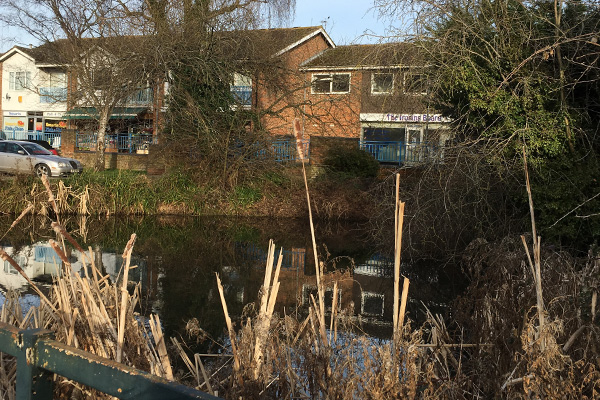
180	192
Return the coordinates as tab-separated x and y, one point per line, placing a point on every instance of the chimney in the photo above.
30	46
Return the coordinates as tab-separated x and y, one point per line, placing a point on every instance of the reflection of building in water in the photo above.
366	290
40	260
292	259
36	261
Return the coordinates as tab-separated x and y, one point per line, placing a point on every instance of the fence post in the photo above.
33	383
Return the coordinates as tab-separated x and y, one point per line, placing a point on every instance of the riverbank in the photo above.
178	192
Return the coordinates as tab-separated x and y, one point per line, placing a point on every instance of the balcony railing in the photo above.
141	97
242	94
405	153
53	94
118	143
53	138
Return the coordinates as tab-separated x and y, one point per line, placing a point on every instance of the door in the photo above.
414	136
35	127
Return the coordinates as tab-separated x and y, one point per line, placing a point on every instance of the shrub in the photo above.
351	161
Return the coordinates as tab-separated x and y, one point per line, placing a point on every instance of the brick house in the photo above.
373	94
376	94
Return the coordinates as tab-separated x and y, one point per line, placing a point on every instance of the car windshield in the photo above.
35	149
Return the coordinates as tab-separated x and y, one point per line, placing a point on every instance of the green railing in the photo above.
39	356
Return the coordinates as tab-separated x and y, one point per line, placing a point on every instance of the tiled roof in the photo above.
366	56
249	44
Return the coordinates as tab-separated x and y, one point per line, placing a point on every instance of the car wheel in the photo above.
42	169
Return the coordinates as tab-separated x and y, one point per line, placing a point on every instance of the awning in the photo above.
118	113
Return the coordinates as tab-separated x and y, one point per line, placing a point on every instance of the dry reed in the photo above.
90	313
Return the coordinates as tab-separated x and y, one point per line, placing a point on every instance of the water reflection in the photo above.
177	260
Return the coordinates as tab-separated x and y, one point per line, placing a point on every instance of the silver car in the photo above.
26	157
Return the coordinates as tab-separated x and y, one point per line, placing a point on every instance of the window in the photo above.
372	304
241	89
55	89
19	80
9	269
331	83
58	80
414	83
382	83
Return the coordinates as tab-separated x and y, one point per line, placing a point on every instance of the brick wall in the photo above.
136	162
285	94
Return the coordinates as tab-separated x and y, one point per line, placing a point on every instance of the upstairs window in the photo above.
382	83
20	80
331	83
56	89
415	83
241	88
57	80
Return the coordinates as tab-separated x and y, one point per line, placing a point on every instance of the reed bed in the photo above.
505	338
87	311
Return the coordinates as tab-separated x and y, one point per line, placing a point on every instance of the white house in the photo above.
34	93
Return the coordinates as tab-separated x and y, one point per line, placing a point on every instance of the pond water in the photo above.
178	258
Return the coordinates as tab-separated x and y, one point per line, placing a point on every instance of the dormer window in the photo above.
382	83
331	83
19	80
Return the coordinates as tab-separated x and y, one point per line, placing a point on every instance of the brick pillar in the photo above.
67	142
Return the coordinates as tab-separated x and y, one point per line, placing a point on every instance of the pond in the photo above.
177	259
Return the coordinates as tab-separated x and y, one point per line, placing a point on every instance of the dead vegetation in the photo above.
505	337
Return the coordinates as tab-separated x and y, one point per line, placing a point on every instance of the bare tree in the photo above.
113	49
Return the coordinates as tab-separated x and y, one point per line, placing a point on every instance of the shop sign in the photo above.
15	113
15	124
414	118
53	114
54	126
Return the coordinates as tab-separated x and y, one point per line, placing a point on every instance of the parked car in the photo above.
45	145
26	157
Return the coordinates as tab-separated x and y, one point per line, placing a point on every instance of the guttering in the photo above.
356	68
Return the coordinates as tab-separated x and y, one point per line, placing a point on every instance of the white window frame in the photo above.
377	93
15	77
407	76
315	76
364	295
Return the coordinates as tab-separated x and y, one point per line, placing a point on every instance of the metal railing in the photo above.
242	94
39	356
401	152
280	150
121	143
284	150
53	138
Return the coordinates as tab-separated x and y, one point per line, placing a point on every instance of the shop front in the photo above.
14	125
404	138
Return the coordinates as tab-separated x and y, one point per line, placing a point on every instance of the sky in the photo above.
346	21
